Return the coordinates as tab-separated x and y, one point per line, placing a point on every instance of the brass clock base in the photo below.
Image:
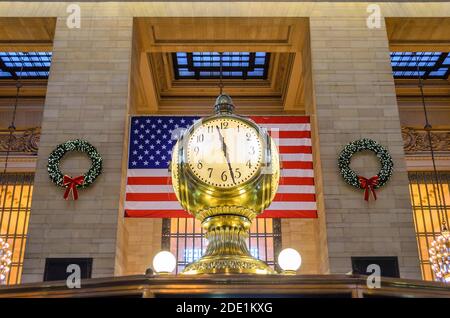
228	264
227	252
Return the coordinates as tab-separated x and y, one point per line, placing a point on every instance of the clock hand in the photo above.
225	152
231	170
224	147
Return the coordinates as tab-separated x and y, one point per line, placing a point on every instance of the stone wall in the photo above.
144	241
86	98
355	98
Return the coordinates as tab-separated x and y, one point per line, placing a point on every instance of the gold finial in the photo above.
224	104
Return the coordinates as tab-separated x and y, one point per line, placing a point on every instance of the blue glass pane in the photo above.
182	61
260	61
5	74
405	64
234	64
26	64
439	72
255	73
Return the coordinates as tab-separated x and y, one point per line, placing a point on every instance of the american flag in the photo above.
149	190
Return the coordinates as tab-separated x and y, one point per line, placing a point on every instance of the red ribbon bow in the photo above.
71	186
368	185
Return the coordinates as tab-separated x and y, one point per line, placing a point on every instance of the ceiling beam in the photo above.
27	34
148	85
418	34
419	46
293	96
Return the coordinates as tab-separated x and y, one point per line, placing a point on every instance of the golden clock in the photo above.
225	171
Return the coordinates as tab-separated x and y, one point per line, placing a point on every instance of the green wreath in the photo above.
383	176
64	181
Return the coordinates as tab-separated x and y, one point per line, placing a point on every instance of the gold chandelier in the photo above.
5	259
440	256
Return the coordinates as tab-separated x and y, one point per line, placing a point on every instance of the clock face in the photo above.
224	152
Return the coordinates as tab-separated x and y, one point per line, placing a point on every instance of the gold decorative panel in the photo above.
418	141
23	142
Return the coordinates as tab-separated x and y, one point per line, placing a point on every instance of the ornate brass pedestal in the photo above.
227	251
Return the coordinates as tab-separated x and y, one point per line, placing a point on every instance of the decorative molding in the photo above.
19	163
23	142
422	163
416	141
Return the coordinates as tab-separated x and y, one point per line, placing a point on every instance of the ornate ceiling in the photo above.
156	88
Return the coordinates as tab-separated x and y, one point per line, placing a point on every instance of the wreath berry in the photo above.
80	182
350	176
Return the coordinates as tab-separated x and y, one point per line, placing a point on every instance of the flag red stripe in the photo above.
295	149
297	165
149	180
311	214
151	197
292	197
289	134
307	214
283	197
297	180
157	214
281	119
167	180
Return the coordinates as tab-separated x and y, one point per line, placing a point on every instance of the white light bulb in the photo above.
289	260
164	262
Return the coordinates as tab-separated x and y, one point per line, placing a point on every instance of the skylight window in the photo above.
26	65
432	65
235	65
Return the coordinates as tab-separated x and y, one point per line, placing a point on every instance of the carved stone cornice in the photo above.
22	142
416	141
